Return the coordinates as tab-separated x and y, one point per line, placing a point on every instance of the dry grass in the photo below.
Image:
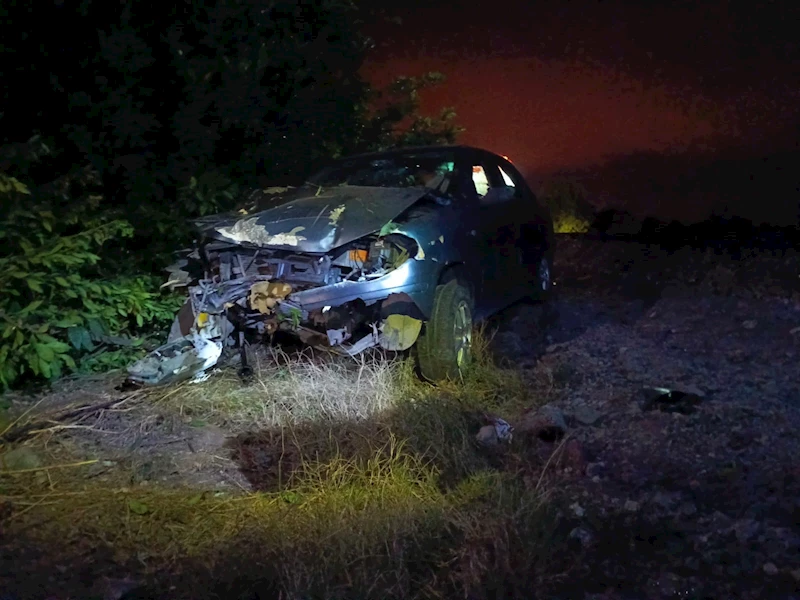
392	497
294	389
301	388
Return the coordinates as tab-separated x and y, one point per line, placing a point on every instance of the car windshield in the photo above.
430	169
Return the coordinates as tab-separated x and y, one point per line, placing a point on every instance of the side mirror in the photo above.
498	194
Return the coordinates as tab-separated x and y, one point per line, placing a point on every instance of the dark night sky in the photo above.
582	86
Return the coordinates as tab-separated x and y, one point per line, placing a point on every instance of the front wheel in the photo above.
445	349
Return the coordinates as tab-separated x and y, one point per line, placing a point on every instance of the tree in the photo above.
392	117
569	205
122	123
62	296
250	91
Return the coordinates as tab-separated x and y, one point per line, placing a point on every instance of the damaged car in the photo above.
403	248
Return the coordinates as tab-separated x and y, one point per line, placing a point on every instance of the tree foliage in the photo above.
142	120
60	299
392	116
569	206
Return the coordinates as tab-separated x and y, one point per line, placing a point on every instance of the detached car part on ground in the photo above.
396	249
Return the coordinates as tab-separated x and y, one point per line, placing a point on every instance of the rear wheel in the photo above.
543	282
537	265
445	349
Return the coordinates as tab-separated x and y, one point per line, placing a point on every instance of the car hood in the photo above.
311	219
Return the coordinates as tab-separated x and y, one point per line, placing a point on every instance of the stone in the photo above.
114	589
745	529
487	436
770	568
20	459
596	469
586	415
574	456
631	505
207	438
547	423
583	536
666	500
577	509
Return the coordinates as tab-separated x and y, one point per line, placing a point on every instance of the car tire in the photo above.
543	279
538	266
444	349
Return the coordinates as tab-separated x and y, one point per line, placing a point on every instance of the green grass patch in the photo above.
368	484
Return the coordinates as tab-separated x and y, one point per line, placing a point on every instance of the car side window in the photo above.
486	178
481	180
493	185
507	178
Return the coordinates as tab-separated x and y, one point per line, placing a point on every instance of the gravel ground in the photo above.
693	495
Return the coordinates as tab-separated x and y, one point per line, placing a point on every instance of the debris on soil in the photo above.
688	490
667	400
691	486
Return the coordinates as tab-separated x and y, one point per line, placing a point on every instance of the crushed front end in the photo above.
362	294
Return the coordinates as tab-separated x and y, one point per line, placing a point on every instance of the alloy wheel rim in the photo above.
462	333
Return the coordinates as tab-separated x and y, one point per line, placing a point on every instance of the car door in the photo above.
497	233
533	221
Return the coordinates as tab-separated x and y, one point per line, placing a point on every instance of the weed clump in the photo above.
364	482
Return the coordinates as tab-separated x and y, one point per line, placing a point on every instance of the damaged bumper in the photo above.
347	302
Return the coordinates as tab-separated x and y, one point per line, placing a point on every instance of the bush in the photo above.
61	300
569	206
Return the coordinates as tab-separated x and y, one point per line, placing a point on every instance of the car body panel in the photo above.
310	219
333	263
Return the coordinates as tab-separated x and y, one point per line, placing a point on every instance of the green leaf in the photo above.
31	307
45	352
75	335
96	327
194	500
86	340
45	368
35	286
388	228
19	186
67	322
139	320
137	507
62	282
55	369
197	423
33	363
59	347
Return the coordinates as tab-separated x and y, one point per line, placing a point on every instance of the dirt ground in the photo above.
696	495
696	498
